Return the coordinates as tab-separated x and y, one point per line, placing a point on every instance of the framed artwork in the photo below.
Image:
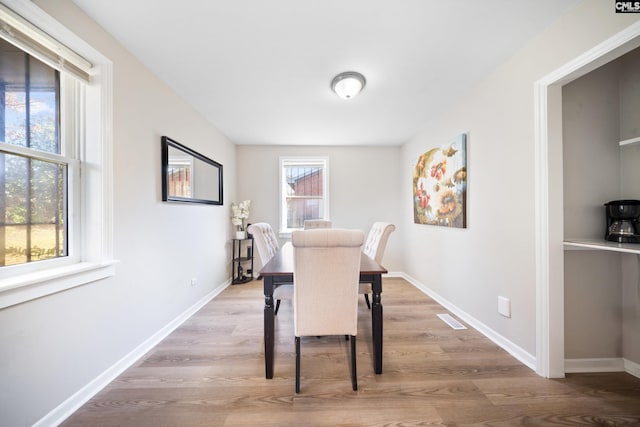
440	185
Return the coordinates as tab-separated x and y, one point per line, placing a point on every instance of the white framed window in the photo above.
39	168
55	157
304	191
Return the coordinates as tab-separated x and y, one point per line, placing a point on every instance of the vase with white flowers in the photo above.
239	214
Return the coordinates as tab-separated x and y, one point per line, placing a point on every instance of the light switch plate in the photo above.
504	306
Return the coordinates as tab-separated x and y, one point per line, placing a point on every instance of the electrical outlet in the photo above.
194	281
504	306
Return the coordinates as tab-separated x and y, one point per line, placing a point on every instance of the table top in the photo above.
282	263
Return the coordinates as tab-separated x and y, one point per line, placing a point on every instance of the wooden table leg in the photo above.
268	326
376	323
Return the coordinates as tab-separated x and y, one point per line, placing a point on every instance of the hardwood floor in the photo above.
210	372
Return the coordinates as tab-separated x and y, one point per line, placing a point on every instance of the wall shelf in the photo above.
601	245
629	142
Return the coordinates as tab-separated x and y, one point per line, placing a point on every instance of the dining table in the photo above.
278	271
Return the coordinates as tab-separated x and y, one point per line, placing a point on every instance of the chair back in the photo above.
265	240
326	273
310	224
377	240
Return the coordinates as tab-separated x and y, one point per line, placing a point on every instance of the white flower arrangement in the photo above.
240	213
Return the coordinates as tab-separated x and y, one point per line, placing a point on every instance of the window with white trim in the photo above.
35	162
304	191
55	157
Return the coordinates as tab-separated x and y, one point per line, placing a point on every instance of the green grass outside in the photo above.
43	243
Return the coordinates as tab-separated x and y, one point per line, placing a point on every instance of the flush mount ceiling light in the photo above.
348	84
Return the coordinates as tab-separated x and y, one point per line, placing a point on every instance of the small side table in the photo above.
242	260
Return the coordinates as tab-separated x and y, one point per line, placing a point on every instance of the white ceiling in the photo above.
260	70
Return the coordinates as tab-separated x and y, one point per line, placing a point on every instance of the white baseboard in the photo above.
516	351
73	403
610	364
632	368
394	274
570	365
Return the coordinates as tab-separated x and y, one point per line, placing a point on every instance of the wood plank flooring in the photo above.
210	372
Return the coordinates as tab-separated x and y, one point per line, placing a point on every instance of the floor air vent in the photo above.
446	318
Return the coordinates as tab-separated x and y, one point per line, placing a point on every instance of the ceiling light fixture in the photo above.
348	84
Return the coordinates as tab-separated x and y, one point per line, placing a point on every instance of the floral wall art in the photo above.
440	185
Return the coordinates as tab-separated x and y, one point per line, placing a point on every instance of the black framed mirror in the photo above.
188	176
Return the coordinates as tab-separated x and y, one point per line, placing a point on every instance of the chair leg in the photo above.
354	375
278	307
297	364
366	298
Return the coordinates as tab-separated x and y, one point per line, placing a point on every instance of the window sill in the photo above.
26	287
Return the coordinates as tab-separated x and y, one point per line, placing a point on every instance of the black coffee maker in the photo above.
623	221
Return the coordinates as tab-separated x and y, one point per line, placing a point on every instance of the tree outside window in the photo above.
33	176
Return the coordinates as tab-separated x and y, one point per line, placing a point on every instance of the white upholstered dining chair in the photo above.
326	271
374	248
310	224
266	243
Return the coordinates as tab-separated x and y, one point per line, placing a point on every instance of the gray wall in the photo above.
591	154
600	109
363	187
53	346
630	188
496	255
